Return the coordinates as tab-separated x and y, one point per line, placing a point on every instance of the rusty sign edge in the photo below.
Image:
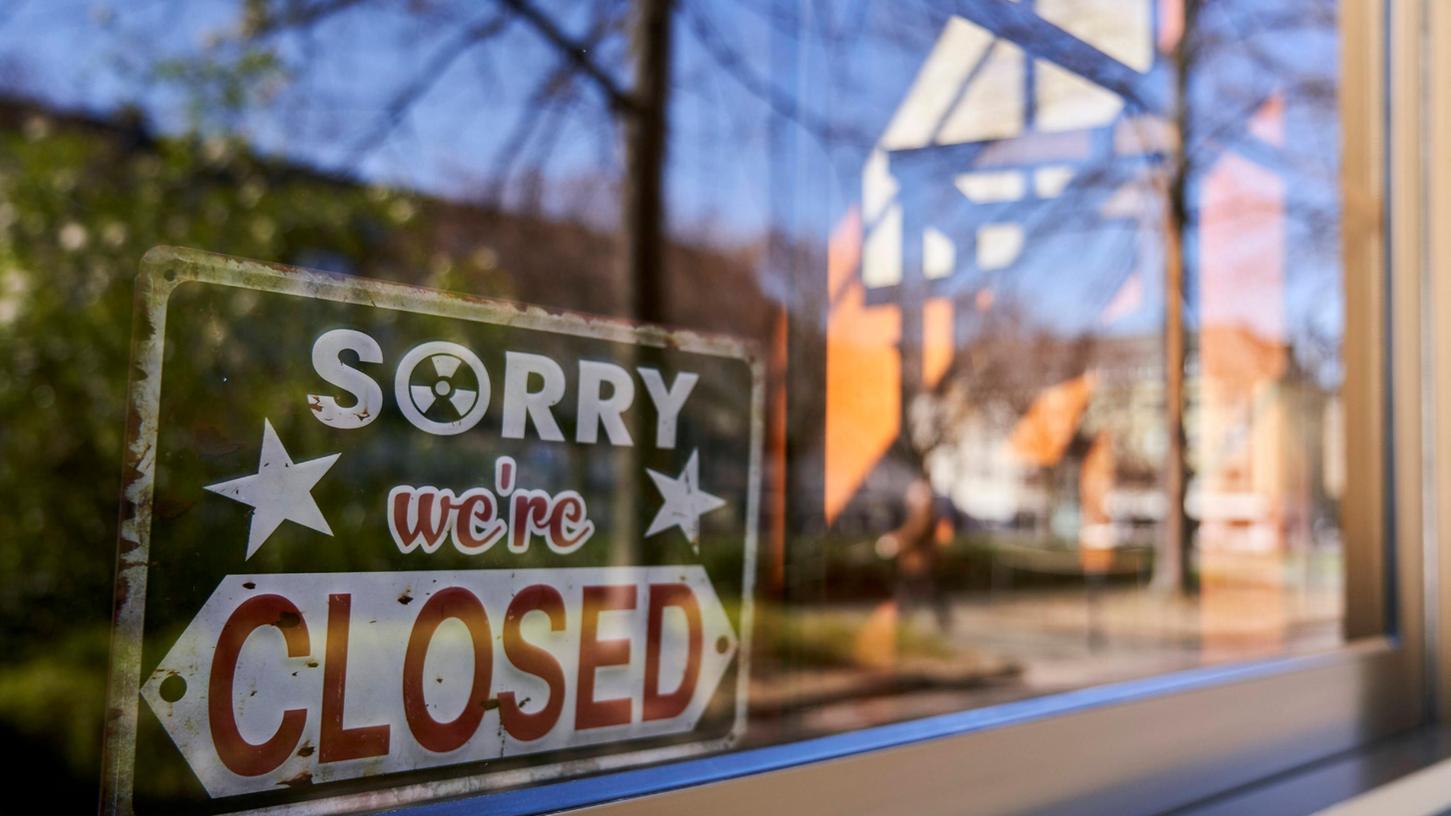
162	270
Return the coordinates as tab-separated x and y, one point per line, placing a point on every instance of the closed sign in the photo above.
383	544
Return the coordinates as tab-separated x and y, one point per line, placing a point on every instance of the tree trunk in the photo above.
1173	567
646	133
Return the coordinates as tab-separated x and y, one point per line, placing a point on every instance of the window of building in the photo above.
1041	356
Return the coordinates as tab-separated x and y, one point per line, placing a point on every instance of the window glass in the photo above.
1001	356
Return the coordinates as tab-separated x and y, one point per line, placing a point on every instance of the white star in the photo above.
685	502
281	490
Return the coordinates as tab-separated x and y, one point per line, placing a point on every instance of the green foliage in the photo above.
80	203
57	697
222	86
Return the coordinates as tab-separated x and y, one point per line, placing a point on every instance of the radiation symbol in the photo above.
445	366
442	388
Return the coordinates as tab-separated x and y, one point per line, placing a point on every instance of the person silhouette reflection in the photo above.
916	547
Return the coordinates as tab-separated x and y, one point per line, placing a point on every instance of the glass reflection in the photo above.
1049	293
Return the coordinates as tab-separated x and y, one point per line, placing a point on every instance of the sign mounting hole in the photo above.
173	688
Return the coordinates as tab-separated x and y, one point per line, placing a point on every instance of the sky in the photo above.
338	77
776	107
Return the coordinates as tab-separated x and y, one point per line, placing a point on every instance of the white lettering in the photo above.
327	362
519	400
668	402
596	410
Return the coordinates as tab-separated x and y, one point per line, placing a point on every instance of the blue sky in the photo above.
740	162
339	75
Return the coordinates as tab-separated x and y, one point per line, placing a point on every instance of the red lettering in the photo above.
240	756
528	514
568	527
664	706
477	519
595	653
418	516
475	529
453	602
338	742
504	475
527	657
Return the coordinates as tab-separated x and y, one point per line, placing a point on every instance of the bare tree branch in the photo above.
547	98
780	104
551	127
432	70
576	52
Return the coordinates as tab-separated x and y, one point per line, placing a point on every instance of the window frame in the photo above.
1437	248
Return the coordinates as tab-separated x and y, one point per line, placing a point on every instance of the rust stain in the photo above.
287	620
306	750
123	589
301	780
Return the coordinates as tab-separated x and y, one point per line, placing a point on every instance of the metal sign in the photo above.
383	544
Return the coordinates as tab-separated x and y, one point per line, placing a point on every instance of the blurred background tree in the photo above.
80	202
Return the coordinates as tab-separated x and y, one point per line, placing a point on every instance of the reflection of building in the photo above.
1027	176
1019	454
1023	145
1265	445
1262	439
